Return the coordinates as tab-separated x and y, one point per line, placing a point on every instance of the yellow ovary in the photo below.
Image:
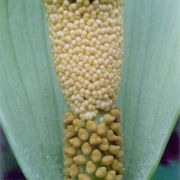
97	152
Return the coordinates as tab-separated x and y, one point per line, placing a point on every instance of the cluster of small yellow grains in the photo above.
87	44
93	150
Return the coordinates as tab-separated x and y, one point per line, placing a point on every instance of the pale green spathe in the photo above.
150	94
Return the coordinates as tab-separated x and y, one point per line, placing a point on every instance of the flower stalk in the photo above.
87	47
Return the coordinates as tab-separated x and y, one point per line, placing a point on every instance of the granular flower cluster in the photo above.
87	47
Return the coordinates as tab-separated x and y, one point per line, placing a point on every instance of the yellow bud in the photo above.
72	7
86	2
119	140
118	166
104	146
96	155
116	113
95	139
83	134
83	177
68	161
108	118
68	119
111	175
111	136
80	159
107	160
77	124
73	170
114	149
66	143
101	129
115	126
121	169
69	132
75	142
91	125
86	148
90	167
115	165
119	154
70	151
119	177
101	172
119	132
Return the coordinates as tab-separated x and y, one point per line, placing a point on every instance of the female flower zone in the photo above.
87	47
